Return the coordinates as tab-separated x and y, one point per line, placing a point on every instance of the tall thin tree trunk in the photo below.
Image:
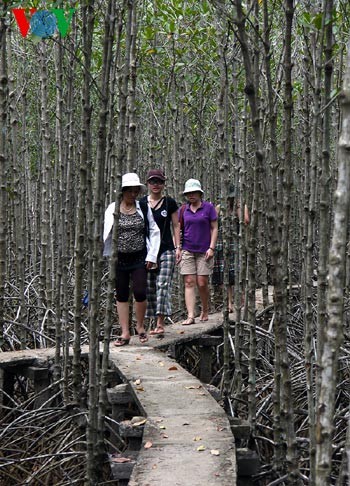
324	221
93	451
334	332
46	286
16	172
3	162
125	80
223	159
252	236
287	398
307	267
85	156
272	118
324	203
108	321
63	229
131	138
238	175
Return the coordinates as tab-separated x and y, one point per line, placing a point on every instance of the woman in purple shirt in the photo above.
198	220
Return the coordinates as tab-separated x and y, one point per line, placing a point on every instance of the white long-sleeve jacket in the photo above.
152	243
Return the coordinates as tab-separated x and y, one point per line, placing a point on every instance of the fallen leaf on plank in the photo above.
215	452
162	427
140	388
121	459
196	439
201	448
148	445
141	422
192	387
165	436
160	363
181	332
137	382
137	418
173	368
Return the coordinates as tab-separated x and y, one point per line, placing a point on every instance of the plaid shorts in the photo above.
159	286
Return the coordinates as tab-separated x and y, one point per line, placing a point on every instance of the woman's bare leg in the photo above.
123	314
203	288
190	297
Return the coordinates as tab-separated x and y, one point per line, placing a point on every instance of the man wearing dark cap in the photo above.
159	283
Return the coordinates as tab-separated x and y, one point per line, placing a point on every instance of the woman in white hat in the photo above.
198	221
138	244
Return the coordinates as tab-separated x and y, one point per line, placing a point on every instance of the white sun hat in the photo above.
131	180
193	185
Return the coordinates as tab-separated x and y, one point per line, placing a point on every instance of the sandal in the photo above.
158	331
188	321
120	341
143	337
203	319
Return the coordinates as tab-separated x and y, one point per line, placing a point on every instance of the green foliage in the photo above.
178	38
314	21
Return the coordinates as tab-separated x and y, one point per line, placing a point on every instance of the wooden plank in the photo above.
181	417
119	394
123	470
248	462
34	373
207	340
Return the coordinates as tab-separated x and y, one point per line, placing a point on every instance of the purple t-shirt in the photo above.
197	227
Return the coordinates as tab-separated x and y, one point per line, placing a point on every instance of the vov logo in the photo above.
43	23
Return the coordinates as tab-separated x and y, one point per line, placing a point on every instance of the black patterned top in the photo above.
131	233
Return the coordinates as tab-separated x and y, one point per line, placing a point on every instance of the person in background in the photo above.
159	282
198	221
137	246
218	271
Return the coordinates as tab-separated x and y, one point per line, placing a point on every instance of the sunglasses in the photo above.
132	190
156	181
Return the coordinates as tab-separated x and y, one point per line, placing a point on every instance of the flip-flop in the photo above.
158	331
143	337
204	319
120	341
188	321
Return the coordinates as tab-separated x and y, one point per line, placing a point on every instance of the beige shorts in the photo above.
195	264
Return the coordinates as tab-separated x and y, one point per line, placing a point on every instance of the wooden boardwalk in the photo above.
191	439
187	434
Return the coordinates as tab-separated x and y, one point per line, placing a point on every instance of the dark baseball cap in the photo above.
157	174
